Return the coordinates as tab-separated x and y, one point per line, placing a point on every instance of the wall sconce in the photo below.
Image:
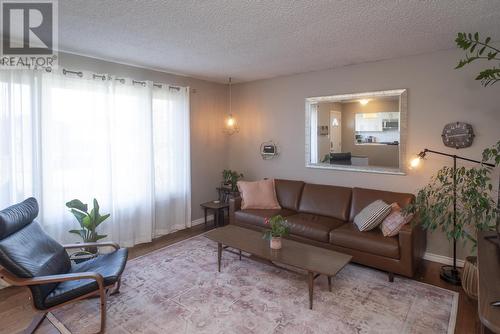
230	126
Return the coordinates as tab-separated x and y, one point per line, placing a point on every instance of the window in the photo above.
126	145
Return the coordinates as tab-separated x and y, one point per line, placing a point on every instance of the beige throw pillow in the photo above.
258	195
393	223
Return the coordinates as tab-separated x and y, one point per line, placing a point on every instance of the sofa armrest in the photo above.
234	205
5	275
407	229
412	244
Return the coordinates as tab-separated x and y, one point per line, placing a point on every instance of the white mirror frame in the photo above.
403	131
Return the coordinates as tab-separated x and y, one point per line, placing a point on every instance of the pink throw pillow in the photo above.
393	223
258	195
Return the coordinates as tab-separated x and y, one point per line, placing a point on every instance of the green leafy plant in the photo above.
88	221
278	227
476	48
475	208
231	177
492	155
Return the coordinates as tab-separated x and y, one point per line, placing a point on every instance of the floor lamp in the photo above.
449	274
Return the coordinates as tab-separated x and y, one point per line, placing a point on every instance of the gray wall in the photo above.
208	107
437	94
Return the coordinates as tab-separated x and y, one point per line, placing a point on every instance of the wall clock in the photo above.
457	135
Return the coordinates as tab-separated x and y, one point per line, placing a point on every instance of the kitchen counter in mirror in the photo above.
376	144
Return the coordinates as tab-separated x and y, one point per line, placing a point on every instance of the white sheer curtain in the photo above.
18	115
99	139
172	159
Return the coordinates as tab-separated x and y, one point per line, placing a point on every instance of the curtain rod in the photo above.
122	80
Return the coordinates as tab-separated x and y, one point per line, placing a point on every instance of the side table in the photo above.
219	211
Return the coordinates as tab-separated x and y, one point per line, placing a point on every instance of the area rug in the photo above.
177	289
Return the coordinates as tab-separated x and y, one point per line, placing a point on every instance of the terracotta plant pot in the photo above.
470	277
275	243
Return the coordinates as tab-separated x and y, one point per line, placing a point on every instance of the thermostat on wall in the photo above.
268	150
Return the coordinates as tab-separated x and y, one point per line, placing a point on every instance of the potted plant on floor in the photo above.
89	221
478	49
475	208
278	228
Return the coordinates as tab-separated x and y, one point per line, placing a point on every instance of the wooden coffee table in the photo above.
316	261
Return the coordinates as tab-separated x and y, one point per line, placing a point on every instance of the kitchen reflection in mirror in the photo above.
356	131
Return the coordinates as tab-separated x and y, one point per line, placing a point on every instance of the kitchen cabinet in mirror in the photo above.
363	132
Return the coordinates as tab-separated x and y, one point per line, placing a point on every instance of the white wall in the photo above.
437	94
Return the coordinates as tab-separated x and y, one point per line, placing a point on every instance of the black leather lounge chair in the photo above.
31	258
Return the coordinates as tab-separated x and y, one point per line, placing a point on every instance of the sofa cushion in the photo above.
311	226
258	194
372	242
257	216
288	192
361	197
330	201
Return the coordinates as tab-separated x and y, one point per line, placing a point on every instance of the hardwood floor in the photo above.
16	312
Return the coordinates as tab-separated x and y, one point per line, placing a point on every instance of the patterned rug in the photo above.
177	289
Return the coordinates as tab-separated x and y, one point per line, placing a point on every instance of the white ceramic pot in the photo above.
276	243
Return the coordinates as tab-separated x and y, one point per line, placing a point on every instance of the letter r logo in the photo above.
27	27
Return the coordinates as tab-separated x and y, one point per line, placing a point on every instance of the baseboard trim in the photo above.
442	259
202	220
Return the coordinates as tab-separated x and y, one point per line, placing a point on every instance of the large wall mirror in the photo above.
359	132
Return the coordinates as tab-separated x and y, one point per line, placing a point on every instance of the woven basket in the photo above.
470	277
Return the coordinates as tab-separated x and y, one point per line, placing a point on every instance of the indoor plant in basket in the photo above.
475	208
278	228
89	221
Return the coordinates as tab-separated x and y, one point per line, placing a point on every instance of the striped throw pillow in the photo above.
372	215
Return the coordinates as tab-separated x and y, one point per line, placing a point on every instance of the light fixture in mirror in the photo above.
358	132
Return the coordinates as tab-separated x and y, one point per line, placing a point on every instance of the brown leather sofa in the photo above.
322	215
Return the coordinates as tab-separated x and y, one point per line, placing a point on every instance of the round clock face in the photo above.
457	135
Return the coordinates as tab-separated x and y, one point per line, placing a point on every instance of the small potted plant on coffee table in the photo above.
278	228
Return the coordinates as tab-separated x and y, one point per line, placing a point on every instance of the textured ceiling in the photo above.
250	40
